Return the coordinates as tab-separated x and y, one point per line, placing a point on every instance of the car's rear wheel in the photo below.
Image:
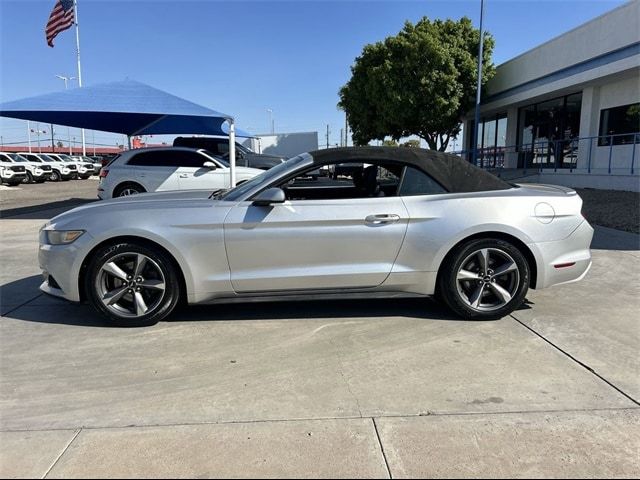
127	189
485	279
132	285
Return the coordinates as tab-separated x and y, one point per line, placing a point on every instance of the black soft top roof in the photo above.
452	172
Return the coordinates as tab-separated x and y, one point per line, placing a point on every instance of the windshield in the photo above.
17	158
264	178
242	148
47	158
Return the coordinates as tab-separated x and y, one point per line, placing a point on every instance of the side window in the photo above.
416	182
344	181
168	159
223	148
4	158
192	159
151	159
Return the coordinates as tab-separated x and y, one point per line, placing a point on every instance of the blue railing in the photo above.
610	154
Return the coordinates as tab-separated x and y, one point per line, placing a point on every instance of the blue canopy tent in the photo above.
127	107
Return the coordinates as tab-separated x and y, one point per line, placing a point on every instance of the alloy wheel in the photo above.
128	191
487	279
130	285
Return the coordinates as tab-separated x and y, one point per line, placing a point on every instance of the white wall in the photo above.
613	30
284	144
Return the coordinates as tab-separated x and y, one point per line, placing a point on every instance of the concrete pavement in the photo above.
355	389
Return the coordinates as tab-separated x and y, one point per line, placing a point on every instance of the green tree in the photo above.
412	143
419	82
389	143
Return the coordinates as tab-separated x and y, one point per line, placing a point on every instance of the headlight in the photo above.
61	237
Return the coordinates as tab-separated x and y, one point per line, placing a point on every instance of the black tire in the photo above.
28	178
164	306
14	183
516	282
120	190
55	176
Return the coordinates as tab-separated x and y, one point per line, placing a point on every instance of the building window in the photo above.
548	132
491	139
619	124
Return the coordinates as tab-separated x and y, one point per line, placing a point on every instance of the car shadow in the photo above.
605	238
26	303
44	211
46	309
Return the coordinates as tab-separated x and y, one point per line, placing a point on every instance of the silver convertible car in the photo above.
396	222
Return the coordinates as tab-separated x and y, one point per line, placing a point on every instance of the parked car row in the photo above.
40	167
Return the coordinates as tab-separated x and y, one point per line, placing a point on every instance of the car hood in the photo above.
153	203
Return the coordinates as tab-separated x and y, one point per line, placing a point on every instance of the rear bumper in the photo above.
565	261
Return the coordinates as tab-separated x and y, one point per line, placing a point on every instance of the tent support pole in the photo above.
232	151
129	141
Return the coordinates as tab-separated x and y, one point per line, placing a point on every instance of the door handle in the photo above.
382	219
184	175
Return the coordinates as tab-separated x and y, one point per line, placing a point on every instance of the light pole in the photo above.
66	79
476	123
270	111
37	131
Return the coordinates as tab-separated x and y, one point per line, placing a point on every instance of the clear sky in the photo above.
242	57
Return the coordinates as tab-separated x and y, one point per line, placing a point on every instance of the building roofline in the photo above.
594	19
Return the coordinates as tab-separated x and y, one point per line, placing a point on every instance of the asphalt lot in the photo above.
385	388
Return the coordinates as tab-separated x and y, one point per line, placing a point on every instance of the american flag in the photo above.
61	18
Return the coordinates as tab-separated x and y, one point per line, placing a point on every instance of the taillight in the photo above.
103	172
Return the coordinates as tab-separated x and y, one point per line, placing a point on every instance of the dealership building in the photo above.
569	109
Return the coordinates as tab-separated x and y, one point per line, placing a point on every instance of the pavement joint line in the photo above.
62	453
384	455
21	305
582	364
322	419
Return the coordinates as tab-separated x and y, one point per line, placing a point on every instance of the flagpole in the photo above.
75	18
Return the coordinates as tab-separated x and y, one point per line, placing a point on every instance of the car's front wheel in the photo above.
132	285
55	176
485	279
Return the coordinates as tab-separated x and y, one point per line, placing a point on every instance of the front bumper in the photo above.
564	261
11	177
42	176
60	265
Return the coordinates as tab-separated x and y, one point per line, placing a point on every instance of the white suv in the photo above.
84	170
59	170
171	168
34	172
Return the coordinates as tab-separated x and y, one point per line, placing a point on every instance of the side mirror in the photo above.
239	154
269	196
209	165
